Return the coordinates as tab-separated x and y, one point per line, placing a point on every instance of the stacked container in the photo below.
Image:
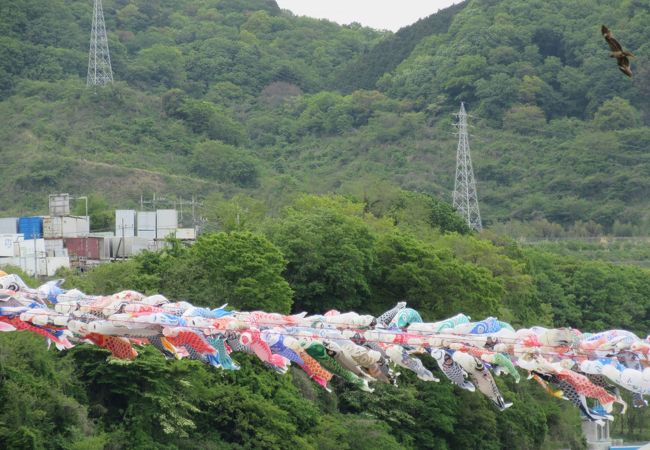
65	226
59	205
129	246
86	247
146	224
9	225
125	222
166	223
186	234
31	227
7	244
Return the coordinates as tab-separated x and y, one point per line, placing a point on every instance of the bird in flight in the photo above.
622	56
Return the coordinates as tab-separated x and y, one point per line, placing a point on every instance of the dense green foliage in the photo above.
250	107
364	72
377	259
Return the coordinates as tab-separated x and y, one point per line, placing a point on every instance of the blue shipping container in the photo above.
31	227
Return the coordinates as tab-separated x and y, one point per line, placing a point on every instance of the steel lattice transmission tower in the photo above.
100	72
465	199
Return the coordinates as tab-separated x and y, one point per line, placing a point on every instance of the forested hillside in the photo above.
324	156
244	97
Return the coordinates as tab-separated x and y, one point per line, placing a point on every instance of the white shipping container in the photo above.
9	225
146	224
102	234
52	227
117	247
53	243
6	261
83	225
67	226
54	248
53	263
127	247
147	234
166	223
26	248
125	222
75	226
167	219
15	261
158	244
162	233
105	248
186	233
7	244
41	265
59	204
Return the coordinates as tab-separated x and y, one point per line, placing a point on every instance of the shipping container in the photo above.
125	222
103	234
162	233
59	205
146	224
118	248
186	233
31	227
166	223
7	244
53	263
52	227
105	250
68	226
55	248
127	247
85	247
167	218
9	225
7	261
147	234
30	254
45	266
80	225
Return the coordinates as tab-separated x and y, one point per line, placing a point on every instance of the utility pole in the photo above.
100	72
465	199
35	256
123	242
155	201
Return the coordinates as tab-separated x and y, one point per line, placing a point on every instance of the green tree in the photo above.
524	119
432	281
102	217
159	65
206	118
615	114
239	268
330	254
225	163
238	213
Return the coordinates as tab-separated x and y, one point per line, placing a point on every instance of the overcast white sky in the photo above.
381	14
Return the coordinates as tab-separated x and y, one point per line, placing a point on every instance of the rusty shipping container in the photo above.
85	247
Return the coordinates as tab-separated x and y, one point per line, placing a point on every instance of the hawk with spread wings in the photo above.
622	56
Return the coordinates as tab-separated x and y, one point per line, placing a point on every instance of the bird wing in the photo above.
613	43
624	66
626	71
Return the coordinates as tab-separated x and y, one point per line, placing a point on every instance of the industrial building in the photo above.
40	245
